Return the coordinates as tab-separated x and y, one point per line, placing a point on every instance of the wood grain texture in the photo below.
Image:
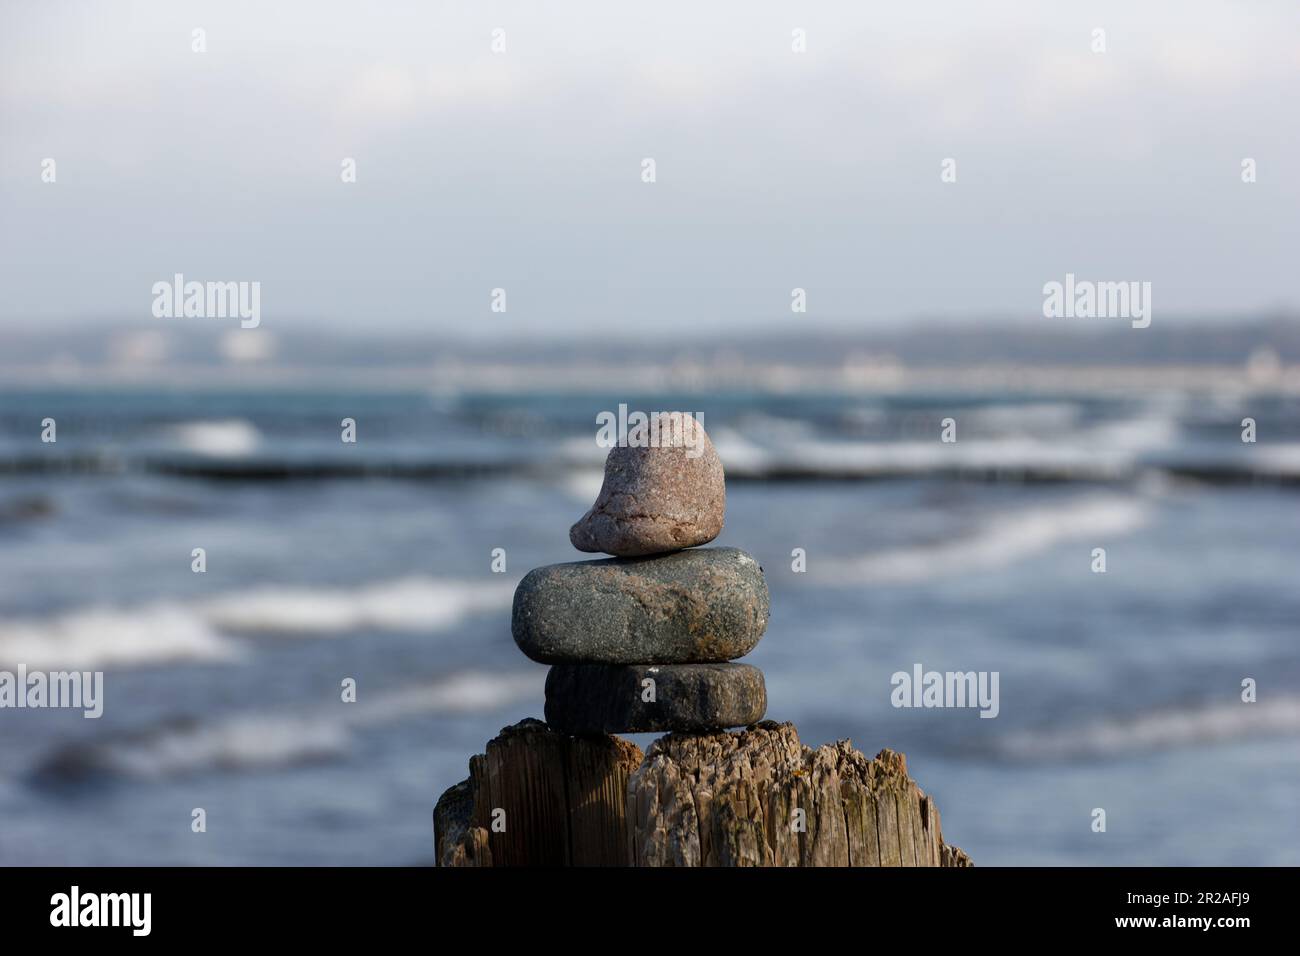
536	797
761	798
756	797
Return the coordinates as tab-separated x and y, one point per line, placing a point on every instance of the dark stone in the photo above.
697	606
688	698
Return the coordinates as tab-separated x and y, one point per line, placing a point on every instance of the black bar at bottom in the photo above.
437	907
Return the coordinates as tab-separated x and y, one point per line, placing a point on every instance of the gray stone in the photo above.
688	698
657	499
697	606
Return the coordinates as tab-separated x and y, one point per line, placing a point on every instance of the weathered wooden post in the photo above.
756	797
540	798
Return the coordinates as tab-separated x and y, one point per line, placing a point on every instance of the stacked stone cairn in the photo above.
643	642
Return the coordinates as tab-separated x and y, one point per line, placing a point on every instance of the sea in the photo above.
374	564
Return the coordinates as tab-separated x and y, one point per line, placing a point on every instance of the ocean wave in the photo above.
98	637
1110	451
1279	459
251	742
1047	441
1113	452
409	604
216	438
469	692
1102	453
741	457
1011	536
1157	730
205	630
1003	455
1144	433
240	743
1019	416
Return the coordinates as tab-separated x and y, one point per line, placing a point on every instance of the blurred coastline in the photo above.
1027	355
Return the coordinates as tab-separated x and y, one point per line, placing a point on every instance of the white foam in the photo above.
1009	537
1279	459
238	743
99	637
1146	433
1159	730
204	630
920	457
1108	450
470	692
738	452
267	741
228	438
583	486
409	604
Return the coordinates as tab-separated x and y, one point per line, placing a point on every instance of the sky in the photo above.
522	169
